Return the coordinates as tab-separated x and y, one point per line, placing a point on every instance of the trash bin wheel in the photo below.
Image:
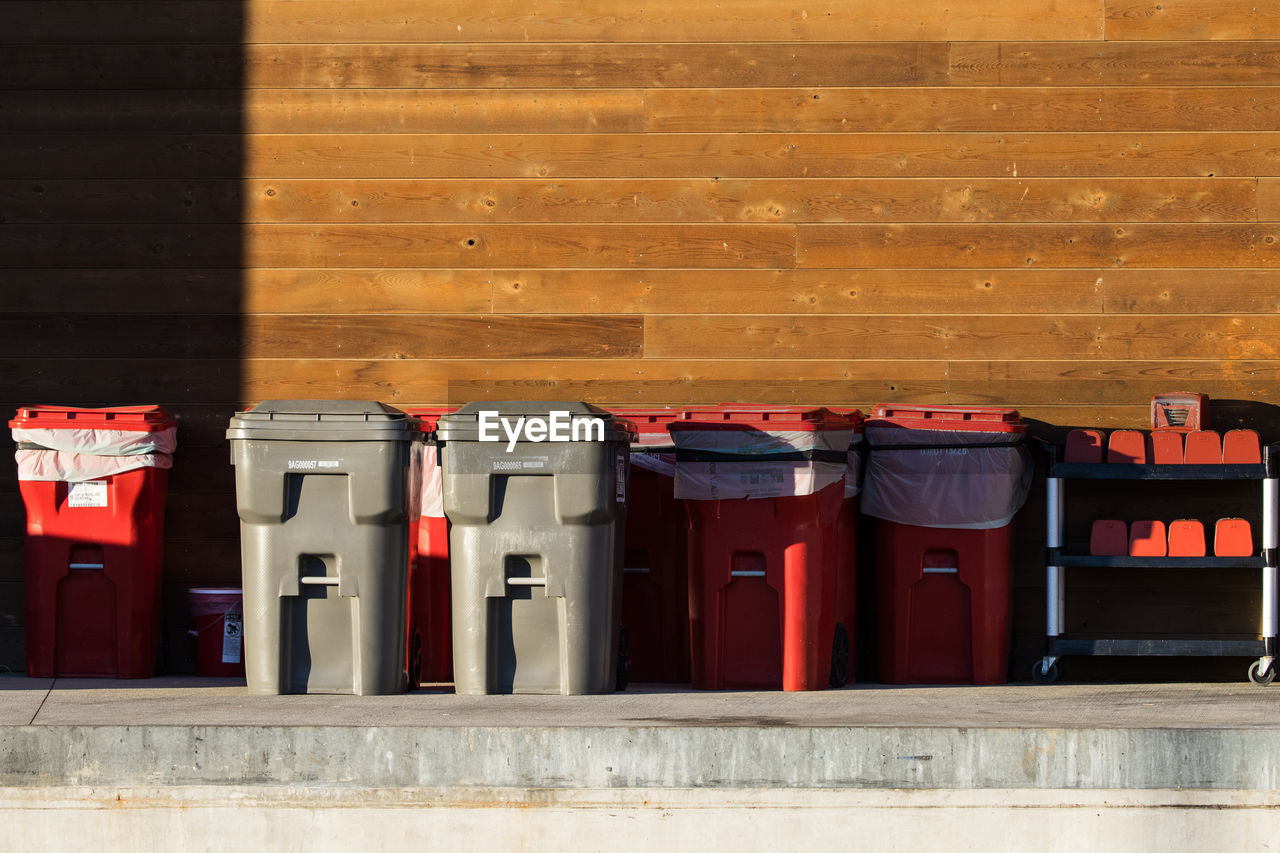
1258	676
1040	674
624	660
841	656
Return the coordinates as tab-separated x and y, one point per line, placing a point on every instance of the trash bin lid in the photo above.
150	418
464	424
323	420
953	418
429	416
761	418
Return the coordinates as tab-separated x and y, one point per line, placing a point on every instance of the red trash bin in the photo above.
655	580
429	641
944	483
764	490
93	482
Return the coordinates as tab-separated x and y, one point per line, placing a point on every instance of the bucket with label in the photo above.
217	627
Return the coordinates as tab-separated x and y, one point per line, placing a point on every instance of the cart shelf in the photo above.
1059	559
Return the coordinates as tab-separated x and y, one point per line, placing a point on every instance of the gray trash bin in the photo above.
323	492
538	523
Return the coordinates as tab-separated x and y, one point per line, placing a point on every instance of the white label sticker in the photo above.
93	493
232	626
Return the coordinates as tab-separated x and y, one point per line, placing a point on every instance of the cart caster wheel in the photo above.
623	676
841	656
1257	676
1040	675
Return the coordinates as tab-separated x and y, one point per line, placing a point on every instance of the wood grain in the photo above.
194	157
468	66
1112	63
977	109
708	200
665	20
970	337
1003	245
481	246
251	291
1191	20
318	336
915	291
798	291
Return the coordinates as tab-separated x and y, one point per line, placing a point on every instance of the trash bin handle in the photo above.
527	581
320	581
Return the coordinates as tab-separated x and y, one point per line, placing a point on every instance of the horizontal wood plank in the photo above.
798	291
1112	63
195	201
729	155
318	336
377	21
1000	245
424	246
634	200
1268	199
249	291
880	110
1030	379
468	66
969	337
665	20
194	157
325	111
1191	20
1190	291
976	109
716	200
480	246
916	291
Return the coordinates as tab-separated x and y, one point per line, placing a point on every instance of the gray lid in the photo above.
323	420
464	424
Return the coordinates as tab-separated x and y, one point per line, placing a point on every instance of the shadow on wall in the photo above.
120	234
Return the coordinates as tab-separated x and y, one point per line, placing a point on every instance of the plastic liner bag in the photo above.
945	478
853	477
653	451
432	482
721	464
39	464
100	442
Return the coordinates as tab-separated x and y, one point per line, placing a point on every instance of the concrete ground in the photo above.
189	763
193	701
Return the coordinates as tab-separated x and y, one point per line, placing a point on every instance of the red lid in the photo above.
131	418
648	420
429	416
793	418
957	418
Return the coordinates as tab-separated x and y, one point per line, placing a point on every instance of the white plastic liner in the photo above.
432	482
100	442
959	484
761	477
63	466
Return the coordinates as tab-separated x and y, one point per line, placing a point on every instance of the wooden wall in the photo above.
1064	207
